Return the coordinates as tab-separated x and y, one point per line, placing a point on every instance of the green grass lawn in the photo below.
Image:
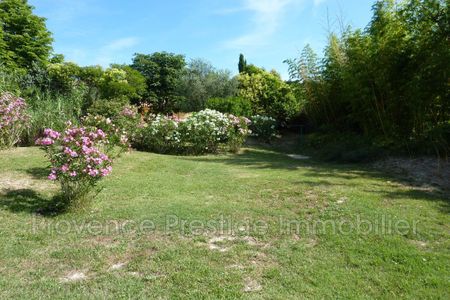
218	227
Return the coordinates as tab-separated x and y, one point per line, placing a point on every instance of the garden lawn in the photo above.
161	228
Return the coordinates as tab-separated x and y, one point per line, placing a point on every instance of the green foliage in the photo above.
162	72
268	93
63	77
47	108
389	82
242	65
24	38
91	76
4	55
233	105
52	111
122	81
108	108
201	81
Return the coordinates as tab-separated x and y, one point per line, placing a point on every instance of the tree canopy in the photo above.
162	71
24	38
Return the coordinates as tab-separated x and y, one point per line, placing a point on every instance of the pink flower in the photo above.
101	133
44	141
51	133
106	171
67	139
93	172
128	112
86	141
65	168
73	174
52	175
70	152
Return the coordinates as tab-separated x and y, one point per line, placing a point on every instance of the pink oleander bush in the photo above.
237	132
120	129
13	119
77	160
117	139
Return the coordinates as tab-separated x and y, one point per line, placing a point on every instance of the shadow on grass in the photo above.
27	200
38	173
322	172
269	159
441	199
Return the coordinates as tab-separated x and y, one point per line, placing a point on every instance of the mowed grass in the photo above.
228	226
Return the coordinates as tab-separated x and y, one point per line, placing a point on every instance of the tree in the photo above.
91	76
134	87
201	81
26	39
162	71
63	76
269	94
242	63
3	53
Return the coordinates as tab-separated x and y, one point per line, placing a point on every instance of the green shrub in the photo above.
232	105
52	111
108	108
263	128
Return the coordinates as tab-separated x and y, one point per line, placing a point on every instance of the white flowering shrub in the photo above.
161	135
263	127
207	131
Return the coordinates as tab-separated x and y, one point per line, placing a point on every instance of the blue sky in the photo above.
91	32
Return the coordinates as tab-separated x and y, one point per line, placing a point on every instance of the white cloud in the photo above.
110	51
121	44
267	15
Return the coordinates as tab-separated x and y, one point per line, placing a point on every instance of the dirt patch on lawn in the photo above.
225	243
251	285
12	181
73	277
